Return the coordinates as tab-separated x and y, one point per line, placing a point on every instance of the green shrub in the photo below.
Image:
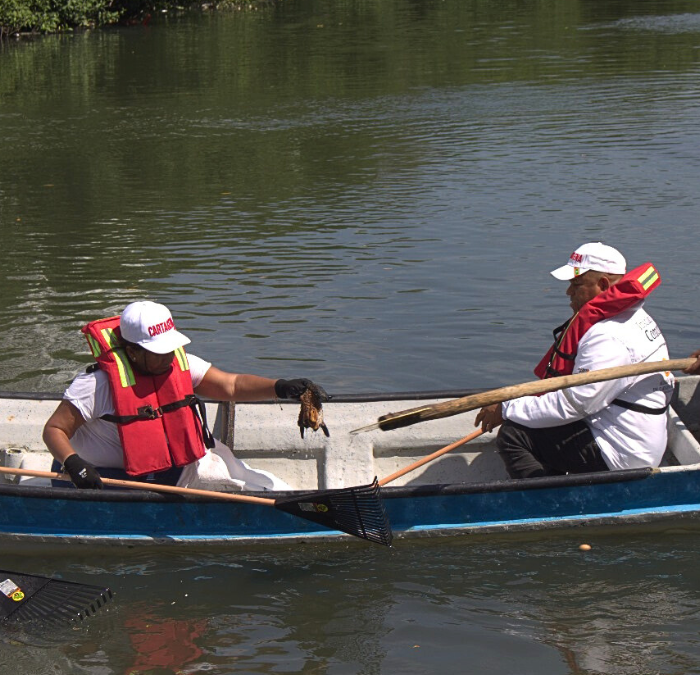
84	13
49	16
14	15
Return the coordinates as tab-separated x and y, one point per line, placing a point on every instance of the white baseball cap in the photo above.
594	256
151	326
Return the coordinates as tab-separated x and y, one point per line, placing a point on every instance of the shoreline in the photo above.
28	24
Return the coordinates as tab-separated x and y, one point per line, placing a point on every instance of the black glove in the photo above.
295	388
83	474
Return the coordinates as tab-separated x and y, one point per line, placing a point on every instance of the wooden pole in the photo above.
406	418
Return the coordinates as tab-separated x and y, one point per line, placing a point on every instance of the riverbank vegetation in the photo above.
53	16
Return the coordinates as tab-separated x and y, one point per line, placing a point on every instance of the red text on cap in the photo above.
161	328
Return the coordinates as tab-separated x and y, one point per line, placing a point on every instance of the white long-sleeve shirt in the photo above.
627	439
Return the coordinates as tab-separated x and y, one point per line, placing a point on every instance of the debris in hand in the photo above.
311	413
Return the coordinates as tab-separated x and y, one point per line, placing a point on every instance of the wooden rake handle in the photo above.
430	457
151	487
357	511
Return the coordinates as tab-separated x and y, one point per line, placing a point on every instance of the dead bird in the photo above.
311	413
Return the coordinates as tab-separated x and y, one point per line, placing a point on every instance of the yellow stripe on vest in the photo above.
110	337
649	277
94	346
126	374
182	359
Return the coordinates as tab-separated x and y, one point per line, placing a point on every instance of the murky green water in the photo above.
628	606
371	195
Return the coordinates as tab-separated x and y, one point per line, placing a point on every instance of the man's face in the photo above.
584	288
149	363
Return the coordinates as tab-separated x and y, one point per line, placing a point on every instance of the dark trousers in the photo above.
554	451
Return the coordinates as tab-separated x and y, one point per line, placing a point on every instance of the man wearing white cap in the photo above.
619	424
135	415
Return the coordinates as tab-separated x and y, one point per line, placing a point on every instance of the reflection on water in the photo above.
675	23
367	198
628	606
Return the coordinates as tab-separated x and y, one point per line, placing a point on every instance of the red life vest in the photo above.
633	287
155	414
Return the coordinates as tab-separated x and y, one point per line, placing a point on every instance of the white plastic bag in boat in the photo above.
220	470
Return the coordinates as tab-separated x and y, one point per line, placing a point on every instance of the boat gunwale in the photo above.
335	398
398	492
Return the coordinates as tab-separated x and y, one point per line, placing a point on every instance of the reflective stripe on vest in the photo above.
649	276
126	373
182	359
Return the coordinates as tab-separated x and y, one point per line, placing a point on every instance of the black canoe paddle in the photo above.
30	598
358	511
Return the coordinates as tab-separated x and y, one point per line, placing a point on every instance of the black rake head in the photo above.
30	598
356	510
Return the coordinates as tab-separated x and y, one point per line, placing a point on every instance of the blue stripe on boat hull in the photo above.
662	496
